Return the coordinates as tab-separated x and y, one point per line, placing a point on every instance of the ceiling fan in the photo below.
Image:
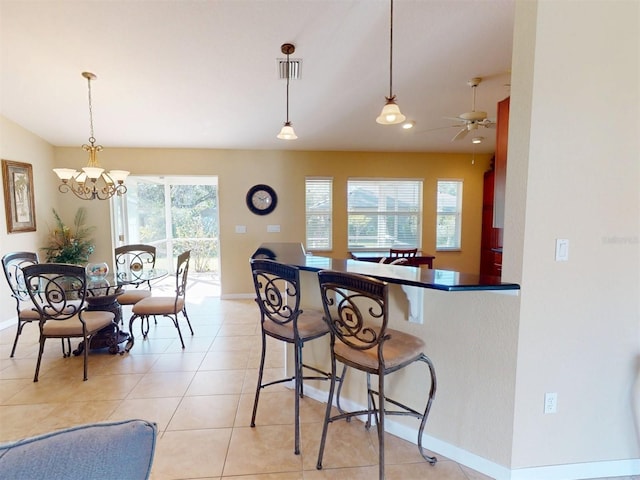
474	119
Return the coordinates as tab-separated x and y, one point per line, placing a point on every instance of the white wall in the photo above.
579	320
20	145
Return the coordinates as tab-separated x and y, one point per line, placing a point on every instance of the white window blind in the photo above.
384	213
319	212
449	215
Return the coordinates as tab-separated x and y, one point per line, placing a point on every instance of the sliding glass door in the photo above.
174	214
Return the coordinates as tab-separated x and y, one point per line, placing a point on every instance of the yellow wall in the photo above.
285	171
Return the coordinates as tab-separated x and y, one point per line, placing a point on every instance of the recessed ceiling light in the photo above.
408	125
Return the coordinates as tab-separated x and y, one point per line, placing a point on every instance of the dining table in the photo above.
102	294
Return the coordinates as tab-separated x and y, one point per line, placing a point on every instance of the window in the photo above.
384	213
318	212
449	215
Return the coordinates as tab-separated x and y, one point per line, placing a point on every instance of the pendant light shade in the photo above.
287	133
390	114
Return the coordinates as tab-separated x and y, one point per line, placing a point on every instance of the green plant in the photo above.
70	245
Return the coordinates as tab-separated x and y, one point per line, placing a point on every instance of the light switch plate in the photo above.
273	228
241	229
562	250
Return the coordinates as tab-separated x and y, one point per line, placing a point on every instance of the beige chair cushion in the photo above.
131	297
72	327
310	325
28	311
158	306
397	350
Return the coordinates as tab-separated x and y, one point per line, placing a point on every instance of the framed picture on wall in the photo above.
17	180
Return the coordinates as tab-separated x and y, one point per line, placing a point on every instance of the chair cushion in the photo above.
311	324
131	297
27	312
400	349
106	450
158	306
72	327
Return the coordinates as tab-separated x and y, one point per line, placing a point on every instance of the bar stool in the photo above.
277	289
356	310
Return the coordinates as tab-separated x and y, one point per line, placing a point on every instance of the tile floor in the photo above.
201	398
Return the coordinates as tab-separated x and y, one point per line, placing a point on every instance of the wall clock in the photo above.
262	199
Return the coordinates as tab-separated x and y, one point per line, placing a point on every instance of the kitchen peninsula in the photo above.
464	320
447	280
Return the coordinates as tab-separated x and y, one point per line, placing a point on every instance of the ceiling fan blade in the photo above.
460	135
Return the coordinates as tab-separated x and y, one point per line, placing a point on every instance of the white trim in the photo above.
575	471
238	296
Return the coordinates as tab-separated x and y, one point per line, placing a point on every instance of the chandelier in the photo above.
93	182
390	114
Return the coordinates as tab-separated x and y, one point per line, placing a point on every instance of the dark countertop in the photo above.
447	280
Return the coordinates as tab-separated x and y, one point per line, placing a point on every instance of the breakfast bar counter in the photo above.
447	280
469	324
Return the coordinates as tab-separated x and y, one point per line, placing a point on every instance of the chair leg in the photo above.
175	323
18	332
184	312
42	340
298	389
327	414
86	356
380	426
131	340
259	386
425	415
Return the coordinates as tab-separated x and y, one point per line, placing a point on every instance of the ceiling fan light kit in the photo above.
474	119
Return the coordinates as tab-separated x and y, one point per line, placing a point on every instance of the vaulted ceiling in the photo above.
203	74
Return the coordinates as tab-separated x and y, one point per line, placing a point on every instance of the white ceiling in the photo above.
203	74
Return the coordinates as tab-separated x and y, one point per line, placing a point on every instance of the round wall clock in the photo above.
262	199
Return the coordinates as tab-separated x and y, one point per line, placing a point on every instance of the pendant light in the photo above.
390	114
93	182
287	132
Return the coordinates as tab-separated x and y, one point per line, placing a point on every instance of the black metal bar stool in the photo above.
278	296
356	310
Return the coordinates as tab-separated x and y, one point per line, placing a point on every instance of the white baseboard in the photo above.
238	296
577	471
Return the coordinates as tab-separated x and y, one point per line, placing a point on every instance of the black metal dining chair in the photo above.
12	264
58	291
165	306
357	313
131	259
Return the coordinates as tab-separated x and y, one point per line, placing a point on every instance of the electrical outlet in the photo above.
550	402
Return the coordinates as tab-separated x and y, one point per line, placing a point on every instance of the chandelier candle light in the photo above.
287	132
92	182
390	114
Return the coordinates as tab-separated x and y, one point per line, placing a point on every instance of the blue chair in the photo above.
101	451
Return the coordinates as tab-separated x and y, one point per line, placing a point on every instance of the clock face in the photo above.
261	199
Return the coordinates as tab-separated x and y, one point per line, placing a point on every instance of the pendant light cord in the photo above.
288	75
91	137
391	53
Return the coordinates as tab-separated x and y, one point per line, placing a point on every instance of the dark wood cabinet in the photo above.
502	135
491	240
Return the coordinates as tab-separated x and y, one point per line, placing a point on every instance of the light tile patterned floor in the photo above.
201	398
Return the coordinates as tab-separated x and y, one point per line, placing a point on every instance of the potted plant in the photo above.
70	244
